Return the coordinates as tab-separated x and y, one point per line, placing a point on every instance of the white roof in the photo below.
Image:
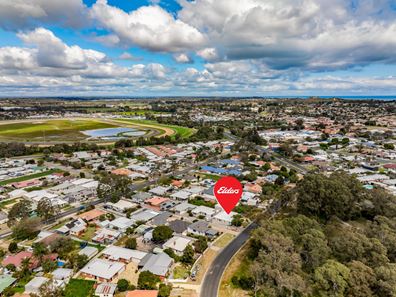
40	194
177	243
182	195
102	268
195	189
160	190
373	177
17	193
122	204
223	216
89	251
203	209
184	206
122	223
36	283
158	264
62	273
91	185
81	181
116	253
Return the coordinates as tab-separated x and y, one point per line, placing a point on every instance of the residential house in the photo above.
144	215
178	244
223	218
89	251
183	208
91	215
155	202
198	228
157	264
121	224
121	205
124	255
102	270
204	211
181	195
62	274
33	287
106	290
160	190
6	281
179	226
106	236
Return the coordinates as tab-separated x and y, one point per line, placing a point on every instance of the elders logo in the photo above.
228	192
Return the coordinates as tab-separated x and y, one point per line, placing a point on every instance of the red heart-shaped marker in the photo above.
228	192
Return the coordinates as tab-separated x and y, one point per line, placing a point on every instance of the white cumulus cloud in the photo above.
149	27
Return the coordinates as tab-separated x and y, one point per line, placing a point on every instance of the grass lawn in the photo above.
224	240
60	130
89	233
181	272
8	202
239	266
28	177
79	288
210	176
140	112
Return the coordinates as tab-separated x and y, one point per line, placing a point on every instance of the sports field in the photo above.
170	130
49	130
70	130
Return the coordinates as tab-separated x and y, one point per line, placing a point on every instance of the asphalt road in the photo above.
134	187
282	160
211	283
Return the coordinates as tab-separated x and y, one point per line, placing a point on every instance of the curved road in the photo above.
211	283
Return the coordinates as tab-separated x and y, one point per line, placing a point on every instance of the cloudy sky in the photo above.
201	47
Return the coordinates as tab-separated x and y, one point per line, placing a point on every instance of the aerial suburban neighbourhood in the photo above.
106	213
197	148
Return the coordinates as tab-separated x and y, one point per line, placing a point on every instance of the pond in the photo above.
113	133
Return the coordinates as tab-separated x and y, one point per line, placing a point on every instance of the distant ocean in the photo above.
382	98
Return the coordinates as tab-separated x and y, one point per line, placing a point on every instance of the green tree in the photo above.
39	250
201	244
122	285
148	281
77	261
13	247
164	290
18	211
386	280
188	255
131	243
63	246
331	279
161	234
26	229
237	220
45	209
277	266
113	187
48	265
338	195
361	280
314	249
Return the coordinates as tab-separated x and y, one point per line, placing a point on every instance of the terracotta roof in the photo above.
91	215
156	201
16	259
142	293
122	171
